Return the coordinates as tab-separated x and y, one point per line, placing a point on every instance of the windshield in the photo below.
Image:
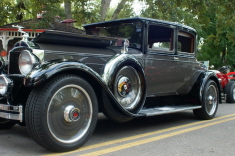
121	30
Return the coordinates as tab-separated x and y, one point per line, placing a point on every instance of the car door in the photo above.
186	64
159	60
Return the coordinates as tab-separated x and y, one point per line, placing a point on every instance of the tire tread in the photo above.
33	120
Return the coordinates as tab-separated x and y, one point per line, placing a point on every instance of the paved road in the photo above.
173	134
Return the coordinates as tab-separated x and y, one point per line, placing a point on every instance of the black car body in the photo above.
57	83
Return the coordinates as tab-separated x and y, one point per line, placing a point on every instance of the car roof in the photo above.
141	19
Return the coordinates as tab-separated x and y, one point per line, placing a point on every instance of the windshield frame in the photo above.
135	35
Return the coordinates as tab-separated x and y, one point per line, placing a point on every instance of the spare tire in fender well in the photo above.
124	63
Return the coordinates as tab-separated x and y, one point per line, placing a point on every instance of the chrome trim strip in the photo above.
76	53
9	109
11	116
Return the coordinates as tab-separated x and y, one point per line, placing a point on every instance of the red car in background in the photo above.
227	81
231	76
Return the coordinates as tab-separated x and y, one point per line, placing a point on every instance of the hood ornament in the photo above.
125	46
25	35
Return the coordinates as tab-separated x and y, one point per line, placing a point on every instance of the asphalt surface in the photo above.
178	134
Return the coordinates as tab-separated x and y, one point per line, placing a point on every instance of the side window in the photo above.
185	42
160	38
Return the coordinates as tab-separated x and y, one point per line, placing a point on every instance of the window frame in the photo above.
187	33
173	37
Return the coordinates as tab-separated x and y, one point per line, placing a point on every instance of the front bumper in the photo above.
11	112
8	111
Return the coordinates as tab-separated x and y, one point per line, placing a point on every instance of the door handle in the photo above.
176	58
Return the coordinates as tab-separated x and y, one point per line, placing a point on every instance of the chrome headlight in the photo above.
5	85
27	61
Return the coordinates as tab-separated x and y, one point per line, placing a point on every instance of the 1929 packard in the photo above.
57	83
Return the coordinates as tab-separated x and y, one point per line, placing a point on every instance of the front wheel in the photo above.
210	101
61	114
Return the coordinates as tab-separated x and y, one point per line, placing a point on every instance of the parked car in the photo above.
57	83
231	76
227	85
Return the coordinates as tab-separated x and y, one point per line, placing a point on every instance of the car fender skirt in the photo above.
204	77
48	69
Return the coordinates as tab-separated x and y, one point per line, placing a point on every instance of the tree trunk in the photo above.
118	9
67	9
104	8
223	58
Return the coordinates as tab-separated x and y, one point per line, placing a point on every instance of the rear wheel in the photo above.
6	124
62	114
210	100
230	92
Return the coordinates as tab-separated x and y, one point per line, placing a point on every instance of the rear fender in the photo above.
203	78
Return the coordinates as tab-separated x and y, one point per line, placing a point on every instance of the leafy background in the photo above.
214	20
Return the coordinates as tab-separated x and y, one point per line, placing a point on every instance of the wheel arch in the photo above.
51	69
209	76
199	85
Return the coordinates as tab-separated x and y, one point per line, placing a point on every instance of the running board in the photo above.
166	110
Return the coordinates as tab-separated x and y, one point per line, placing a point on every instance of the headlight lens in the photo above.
5	85
26	62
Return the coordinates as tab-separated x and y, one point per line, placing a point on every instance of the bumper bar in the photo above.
11	112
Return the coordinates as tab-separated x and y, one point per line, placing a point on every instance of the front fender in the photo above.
48	69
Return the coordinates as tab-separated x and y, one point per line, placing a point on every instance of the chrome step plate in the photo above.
166	110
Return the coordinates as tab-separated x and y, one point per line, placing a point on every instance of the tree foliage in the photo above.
214	20
83	11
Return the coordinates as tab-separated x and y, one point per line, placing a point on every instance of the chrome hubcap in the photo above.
124	86
71	114
211	99
127	88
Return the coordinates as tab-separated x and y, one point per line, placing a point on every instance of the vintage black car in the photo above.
57	83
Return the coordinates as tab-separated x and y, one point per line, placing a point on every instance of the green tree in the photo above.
213	19
83	11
